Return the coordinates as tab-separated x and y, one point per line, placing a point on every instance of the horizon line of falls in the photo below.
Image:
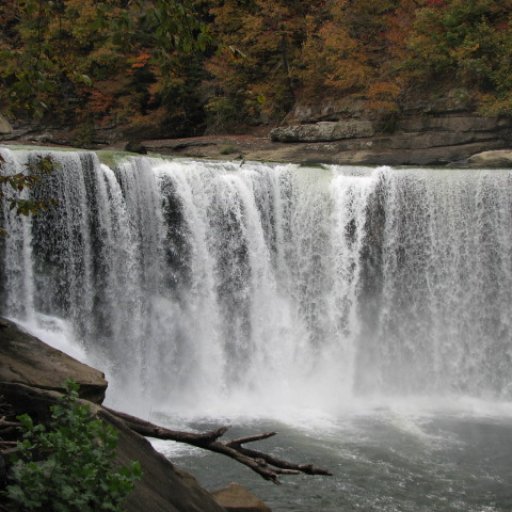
221	288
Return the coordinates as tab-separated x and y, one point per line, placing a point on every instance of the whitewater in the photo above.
365	312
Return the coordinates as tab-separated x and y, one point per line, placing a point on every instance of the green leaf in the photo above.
68	466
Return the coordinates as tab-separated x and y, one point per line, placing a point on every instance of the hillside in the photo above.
117	69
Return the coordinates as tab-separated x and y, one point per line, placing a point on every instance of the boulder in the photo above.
162	487
236	498
325	131
25	359
5	126
496	158
31	377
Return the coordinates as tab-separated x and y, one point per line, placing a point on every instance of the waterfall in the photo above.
219	287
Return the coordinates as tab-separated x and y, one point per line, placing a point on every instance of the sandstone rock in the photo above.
5	126
162	488
325	110
496	158
27	360
31	376
456	123
323	131
236	498
434	139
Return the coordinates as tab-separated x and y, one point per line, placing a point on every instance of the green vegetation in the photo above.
179	67
466	43
12	187
68	466
96	63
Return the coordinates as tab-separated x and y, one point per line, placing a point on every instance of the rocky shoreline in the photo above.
414	149
446	133
447	138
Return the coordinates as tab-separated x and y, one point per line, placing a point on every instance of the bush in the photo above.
68	466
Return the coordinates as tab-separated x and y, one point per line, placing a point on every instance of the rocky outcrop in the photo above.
236	498
419	139
325	110
25	359
442	132
410	149
453	101
324	131
427	130
498	158
31	377
162	487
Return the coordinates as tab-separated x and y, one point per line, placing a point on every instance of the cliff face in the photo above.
437	139
444	131
447	130
31	379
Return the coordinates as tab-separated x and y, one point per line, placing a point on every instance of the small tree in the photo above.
68	466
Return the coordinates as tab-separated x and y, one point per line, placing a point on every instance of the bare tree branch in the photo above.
37	401
148	429
267	466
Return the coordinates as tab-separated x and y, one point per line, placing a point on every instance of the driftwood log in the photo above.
267	466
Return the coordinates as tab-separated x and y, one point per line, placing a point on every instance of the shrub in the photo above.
68	466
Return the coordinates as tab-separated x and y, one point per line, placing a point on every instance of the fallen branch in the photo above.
8	447
8	425
267	466
20	398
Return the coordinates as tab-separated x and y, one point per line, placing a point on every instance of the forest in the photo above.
177	68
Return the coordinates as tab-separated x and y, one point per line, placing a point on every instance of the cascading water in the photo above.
366	312
214	285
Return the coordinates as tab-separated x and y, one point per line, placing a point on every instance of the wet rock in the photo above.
25	359
31	378
162	488
325	110
236	498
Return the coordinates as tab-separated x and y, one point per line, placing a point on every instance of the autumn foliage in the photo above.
181	67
